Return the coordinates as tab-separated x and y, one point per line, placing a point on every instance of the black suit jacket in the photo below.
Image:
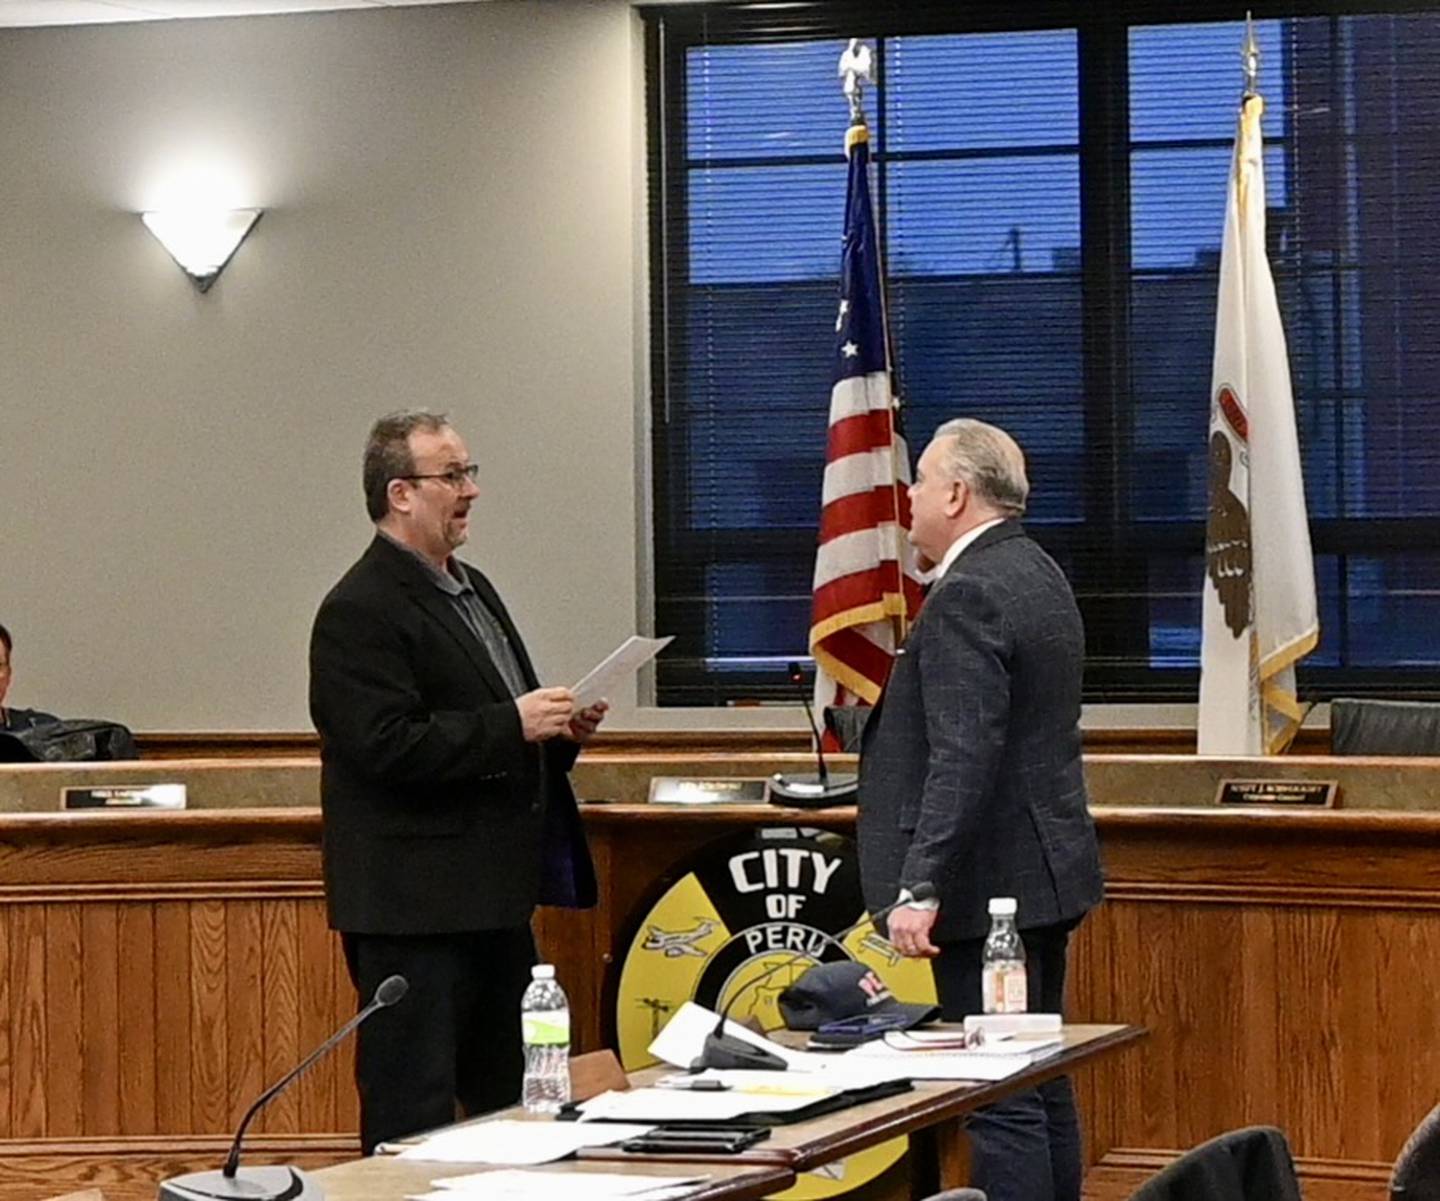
437	815
970	773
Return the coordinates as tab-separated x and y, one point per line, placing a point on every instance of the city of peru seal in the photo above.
739	908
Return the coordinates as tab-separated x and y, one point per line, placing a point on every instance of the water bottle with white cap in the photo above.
1003	985
545	1024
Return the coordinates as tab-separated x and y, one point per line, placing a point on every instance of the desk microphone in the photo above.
724	1050
822	789
278	1182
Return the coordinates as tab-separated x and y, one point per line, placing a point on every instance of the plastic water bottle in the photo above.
1002	971
545	1028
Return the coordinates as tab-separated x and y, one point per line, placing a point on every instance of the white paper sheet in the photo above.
621	663
674	1105
948	1065
940	1040
683	1038
517	1185
506	1141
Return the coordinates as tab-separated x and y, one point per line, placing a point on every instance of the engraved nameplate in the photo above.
676	790
125	796
1320	793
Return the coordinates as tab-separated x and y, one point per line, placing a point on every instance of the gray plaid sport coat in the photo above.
970	772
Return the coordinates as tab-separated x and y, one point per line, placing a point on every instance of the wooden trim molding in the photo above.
276	744
1122	1170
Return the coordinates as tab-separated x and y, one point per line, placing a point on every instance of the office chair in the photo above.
1365	727
1252	1164
1417	1169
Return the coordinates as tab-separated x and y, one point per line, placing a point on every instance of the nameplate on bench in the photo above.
1320	793
676	790
125	796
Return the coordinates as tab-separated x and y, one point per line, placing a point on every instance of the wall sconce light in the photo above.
202	241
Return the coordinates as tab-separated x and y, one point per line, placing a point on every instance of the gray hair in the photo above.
989	460
387	453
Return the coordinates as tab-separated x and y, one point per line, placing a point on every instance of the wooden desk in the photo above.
385	1178
934	1107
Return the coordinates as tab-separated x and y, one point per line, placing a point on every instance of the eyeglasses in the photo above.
455	477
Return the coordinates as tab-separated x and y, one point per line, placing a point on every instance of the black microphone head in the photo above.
392	989
923	892
797	675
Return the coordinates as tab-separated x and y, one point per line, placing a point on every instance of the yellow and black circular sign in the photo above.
772	898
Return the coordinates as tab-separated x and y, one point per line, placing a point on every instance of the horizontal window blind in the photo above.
1053	270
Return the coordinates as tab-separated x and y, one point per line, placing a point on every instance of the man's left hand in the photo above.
584	724
910	932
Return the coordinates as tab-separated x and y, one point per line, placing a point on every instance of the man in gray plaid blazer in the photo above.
971	780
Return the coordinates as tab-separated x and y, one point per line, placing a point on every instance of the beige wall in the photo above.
455	217
452	198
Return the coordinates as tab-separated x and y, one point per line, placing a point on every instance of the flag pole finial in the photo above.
1250	58
854	74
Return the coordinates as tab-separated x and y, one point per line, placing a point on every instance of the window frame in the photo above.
1117	564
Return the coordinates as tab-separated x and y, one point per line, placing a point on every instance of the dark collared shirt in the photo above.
478	617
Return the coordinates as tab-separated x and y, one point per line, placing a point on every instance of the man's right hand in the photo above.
545	713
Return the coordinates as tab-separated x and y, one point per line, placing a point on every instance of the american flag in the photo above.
867	587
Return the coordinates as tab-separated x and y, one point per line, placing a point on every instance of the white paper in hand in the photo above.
621	663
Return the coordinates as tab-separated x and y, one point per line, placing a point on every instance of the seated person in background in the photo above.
14	719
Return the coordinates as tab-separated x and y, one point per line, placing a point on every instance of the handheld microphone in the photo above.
822	789
724	1050
279	1182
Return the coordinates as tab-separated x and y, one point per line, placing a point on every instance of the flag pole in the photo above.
1250	58
855	72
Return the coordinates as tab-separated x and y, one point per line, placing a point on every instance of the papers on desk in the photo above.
921	1061
562	1186
511	1142
947	1040
620	664
750	1093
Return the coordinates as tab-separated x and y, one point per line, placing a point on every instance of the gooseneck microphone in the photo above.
279	1182
806	791
724	1050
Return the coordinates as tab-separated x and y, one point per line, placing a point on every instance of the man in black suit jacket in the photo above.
448	813
970	776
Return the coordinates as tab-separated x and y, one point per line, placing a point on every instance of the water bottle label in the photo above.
1004	990
546	1028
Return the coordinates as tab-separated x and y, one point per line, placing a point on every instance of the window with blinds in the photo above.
1051	201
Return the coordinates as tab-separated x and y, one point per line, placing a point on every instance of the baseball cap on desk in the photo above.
833	992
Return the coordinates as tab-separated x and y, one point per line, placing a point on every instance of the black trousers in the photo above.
1027	1147
455	1036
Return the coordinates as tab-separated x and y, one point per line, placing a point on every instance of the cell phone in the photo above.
852	1031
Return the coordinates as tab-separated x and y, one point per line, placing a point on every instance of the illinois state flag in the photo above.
1260	614
866	588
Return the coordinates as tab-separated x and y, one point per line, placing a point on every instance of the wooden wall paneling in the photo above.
1208	965
1310	964
245	1006
9	1014
172	1017
64	1015
139	1032
280	966
1358	1131
1258	1081
100	1019
209	1034
1409	1016
318	1004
